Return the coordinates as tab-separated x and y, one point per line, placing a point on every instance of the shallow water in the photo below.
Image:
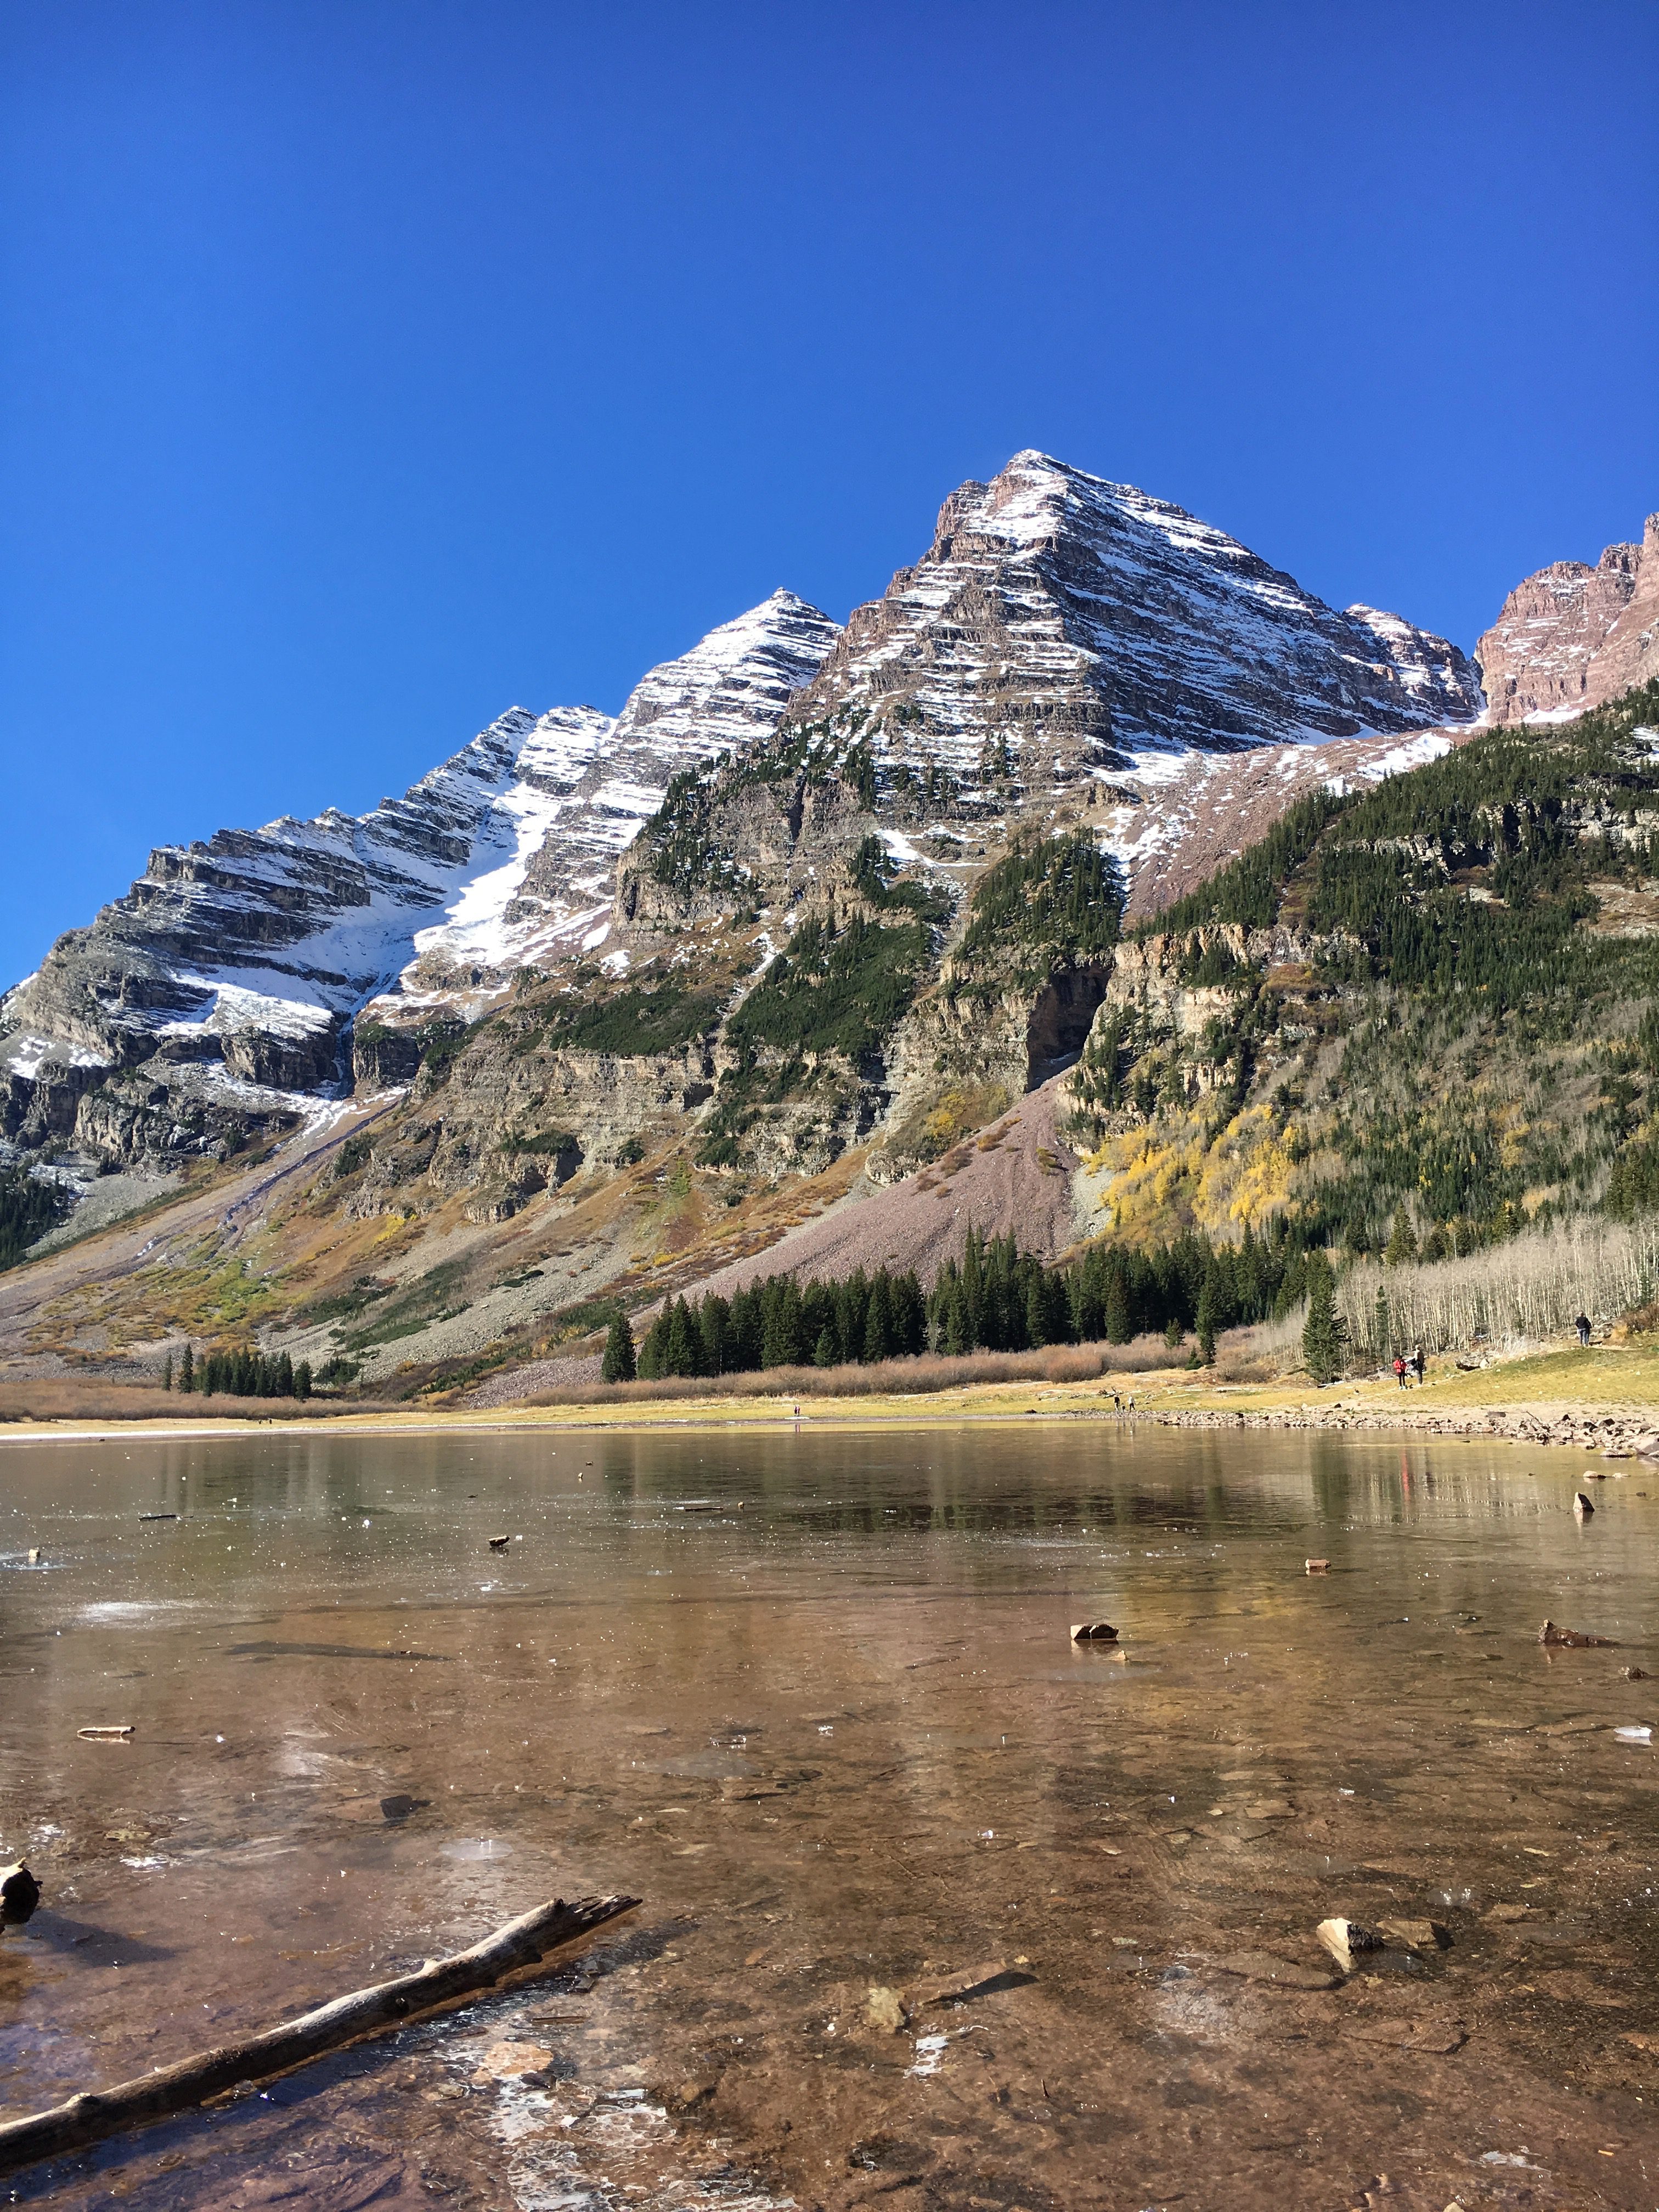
836	1735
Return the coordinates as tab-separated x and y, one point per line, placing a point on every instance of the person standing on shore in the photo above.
1400	1368
1420	1363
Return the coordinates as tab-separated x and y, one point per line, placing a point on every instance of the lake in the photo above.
939	1908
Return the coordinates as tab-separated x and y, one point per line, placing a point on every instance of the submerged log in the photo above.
91	2117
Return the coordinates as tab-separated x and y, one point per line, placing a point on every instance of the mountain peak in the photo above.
1075	618
1570	636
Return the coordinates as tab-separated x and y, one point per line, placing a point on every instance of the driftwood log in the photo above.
91	2117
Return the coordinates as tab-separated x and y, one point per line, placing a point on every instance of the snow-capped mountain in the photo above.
253	947
1065	642
1081	622
241	960
728	689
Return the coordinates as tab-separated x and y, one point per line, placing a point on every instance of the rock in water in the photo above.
1415	1934
1571	1638
1582	1506
20	1892
1344	1938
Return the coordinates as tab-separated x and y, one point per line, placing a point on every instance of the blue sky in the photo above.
367	368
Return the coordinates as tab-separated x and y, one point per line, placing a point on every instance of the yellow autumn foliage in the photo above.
1152	1182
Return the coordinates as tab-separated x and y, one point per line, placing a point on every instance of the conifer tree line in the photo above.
240	1374
995	1298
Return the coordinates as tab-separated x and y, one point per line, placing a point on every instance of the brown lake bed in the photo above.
939	1908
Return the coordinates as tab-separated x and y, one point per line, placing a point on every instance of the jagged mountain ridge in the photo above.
1086	621
1059	629
1066	642
601	1085
1571	637
254	946
232	967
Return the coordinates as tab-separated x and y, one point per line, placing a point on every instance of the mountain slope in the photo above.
227	975
1066	643
1434	1000
239	961
728	691
868	945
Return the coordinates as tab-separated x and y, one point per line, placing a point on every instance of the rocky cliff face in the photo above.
1572	636
1069	653
231	968
1064	642
729	690
227	976
1077	621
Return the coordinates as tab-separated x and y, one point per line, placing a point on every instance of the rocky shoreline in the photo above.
1614	1435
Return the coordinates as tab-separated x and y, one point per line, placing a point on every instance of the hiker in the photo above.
1420	1363
1400	1368
1583	1325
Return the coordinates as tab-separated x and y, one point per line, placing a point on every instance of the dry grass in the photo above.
66	1398
920	1376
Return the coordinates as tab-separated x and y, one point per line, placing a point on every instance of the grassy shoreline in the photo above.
1605	1384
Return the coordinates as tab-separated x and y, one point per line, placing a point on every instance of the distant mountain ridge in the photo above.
233	966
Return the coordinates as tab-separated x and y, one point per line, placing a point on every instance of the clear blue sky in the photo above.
369	366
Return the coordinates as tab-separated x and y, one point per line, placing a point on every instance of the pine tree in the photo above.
825	1353
781	1340
187	1367
652	1351
302	1379
1037	1333
1117	1309
1324	1333
1204	1323
683	1350
1402	1239
715	1328
953	1324
878	1324
972	1292
618	1364
166	1372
